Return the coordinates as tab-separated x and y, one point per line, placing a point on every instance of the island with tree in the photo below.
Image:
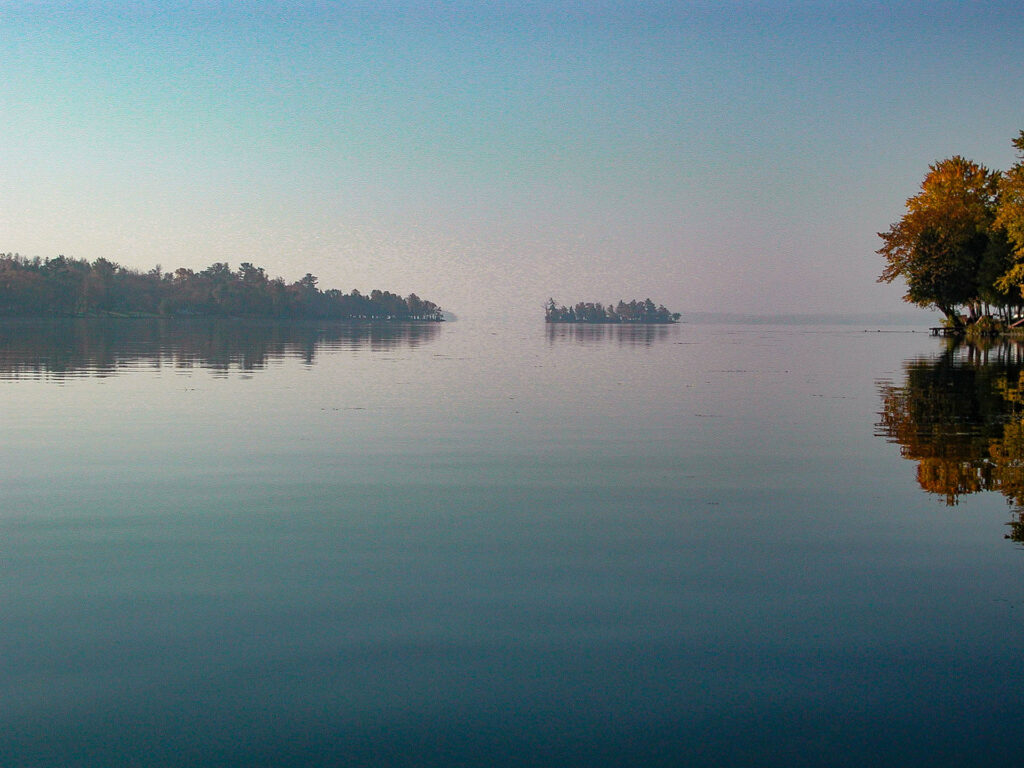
960	245
67	287
587	312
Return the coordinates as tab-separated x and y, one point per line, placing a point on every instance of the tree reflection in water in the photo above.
960	416
626	334
103	347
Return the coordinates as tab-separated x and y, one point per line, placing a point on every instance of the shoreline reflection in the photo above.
625	334
960	416
106	347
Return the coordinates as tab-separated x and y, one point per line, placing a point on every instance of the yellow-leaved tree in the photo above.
944	243
1010	217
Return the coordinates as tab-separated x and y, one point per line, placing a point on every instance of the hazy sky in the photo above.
722	156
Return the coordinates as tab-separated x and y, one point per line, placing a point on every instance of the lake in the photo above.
487	544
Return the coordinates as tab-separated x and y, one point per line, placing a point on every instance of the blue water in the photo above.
486	544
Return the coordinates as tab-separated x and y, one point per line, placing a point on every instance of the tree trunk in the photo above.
954	319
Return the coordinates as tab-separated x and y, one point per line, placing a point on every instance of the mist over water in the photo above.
481	543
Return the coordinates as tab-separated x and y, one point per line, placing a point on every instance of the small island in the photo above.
641	312
67	287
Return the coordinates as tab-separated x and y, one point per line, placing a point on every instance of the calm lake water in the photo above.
472	544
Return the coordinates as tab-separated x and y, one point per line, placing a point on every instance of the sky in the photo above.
735	157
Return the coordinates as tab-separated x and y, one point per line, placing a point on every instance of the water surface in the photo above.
486	544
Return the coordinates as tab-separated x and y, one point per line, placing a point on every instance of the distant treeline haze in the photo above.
586	312
75	287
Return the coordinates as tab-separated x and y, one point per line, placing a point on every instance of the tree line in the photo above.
586	312
63	287
960	245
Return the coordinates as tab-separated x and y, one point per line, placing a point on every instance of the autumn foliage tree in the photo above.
1010	218
946	237
960	243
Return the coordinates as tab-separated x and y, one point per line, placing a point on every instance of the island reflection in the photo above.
626	334
960	416
106	347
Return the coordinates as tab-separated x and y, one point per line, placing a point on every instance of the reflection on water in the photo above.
496	549
102	347
960	416
623	333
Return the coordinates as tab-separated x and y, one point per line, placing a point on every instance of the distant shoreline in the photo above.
68	287
812	318
254	319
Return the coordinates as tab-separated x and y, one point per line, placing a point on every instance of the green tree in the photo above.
938	245
996	286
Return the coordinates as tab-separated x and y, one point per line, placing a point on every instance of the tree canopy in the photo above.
63	287
1010	216
960	243
939	245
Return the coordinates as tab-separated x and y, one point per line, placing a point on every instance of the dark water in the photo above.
474	544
